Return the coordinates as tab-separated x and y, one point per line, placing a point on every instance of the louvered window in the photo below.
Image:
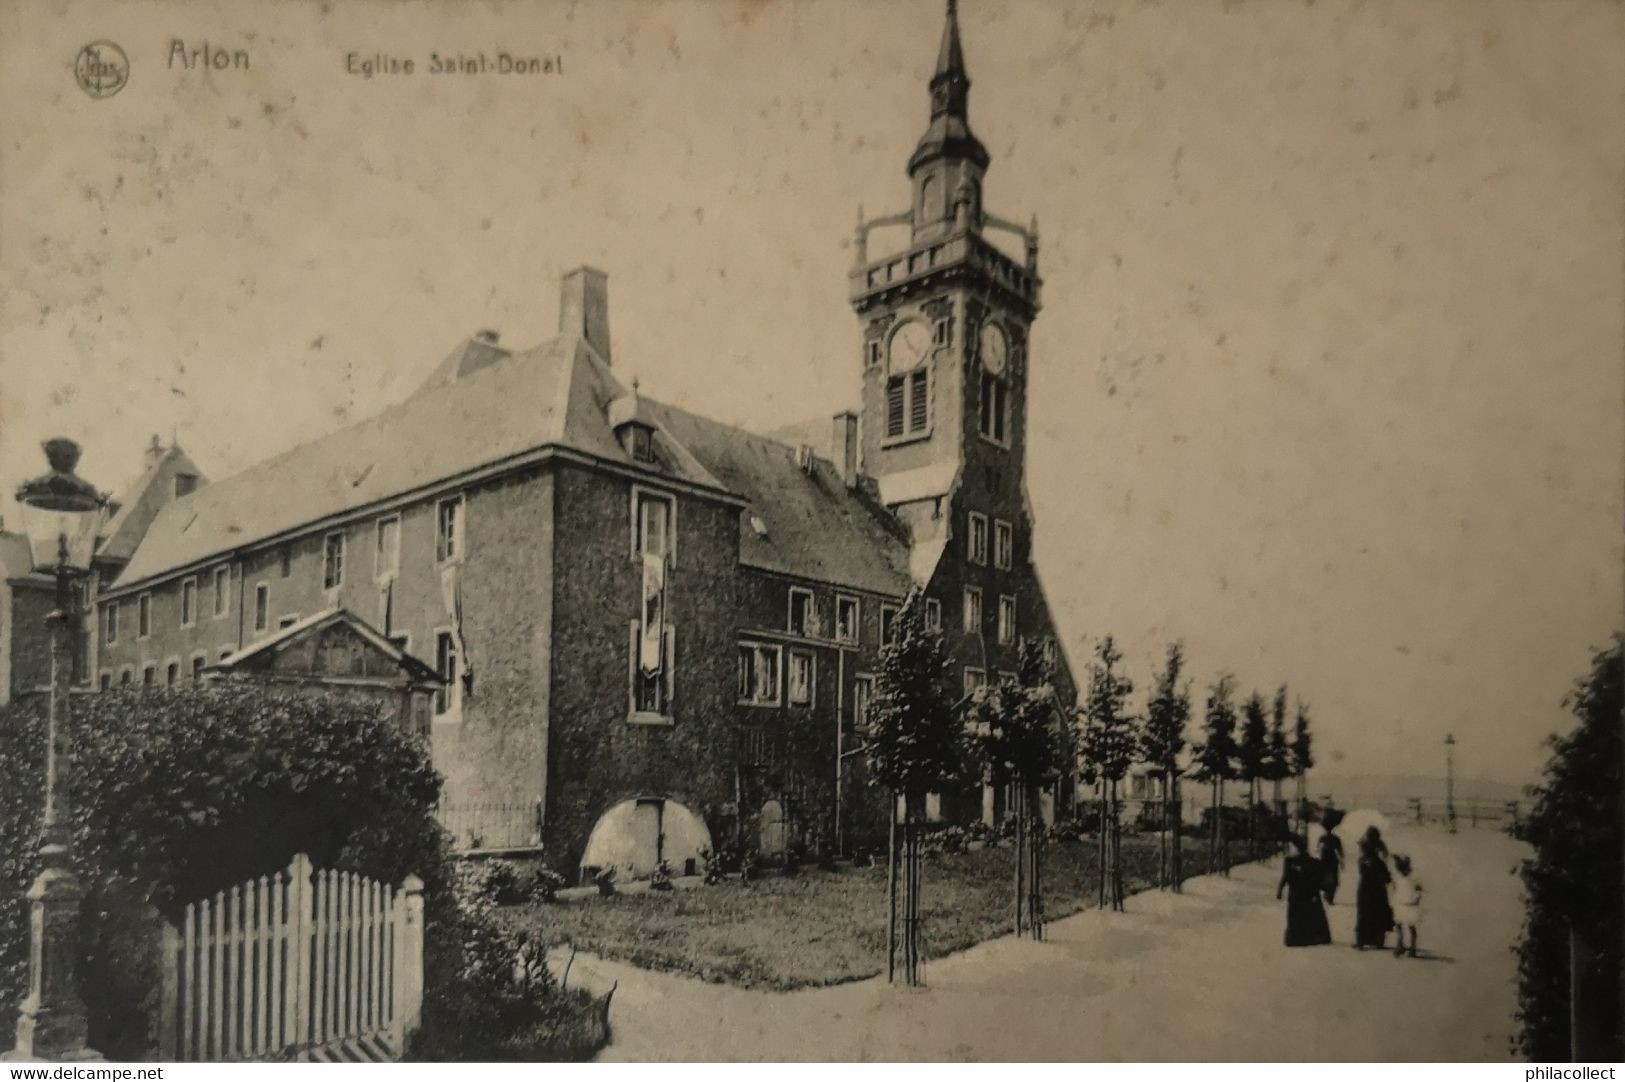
908	403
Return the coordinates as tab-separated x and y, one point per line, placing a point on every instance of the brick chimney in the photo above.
843	448
584	307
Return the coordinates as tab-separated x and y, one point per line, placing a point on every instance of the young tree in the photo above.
1303	758
916	744
1215	763
1108	745
1569	956
1278	754
1162	743
1019	739
1254	750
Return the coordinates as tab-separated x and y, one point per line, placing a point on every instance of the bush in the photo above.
178	793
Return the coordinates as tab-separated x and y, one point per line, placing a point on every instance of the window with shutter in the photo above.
918	403
894	405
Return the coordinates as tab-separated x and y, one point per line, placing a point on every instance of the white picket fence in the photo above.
304	964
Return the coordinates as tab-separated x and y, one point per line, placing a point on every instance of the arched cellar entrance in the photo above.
635	835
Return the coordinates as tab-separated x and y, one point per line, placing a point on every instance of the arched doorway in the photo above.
772	830
635	835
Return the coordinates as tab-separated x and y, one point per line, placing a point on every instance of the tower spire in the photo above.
950	58
949	134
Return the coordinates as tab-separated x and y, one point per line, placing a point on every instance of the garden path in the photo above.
1198	976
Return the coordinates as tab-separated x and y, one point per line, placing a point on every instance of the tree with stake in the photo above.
1016	729
916	744
1216	763
1303	758
1278	754
1108	746
1162	744
1254	749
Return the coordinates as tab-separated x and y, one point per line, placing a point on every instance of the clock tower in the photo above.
945	323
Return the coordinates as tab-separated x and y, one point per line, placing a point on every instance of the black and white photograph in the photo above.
732	531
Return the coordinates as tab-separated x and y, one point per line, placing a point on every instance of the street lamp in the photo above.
1450	780
61	515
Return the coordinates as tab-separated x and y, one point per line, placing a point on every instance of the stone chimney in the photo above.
154	452
584	307
843	448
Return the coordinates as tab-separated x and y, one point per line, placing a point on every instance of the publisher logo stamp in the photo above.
102	69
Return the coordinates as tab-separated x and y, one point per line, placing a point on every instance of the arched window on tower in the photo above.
930	198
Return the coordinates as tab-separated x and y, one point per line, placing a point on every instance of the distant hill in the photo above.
1371	790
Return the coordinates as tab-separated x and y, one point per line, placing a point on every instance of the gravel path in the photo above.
1200	976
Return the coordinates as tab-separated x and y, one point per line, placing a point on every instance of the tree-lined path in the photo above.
1197	976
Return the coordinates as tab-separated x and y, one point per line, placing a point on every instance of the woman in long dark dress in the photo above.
1331	864
1301	881
1373	916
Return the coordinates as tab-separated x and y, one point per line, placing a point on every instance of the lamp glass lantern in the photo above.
62	513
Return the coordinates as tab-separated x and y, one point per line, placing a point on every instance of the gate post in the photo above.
408	961
171	993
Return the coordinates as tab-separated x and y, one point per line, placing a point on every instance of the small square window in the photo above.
106	681
974	678
387	547
449	530
1007	619
847	613
976	550
333	561
973	610
222	591
287	621
801	678
188	602
803	612
1003	545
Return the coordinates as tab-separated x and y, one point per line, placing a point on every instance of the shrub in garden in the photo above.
178	793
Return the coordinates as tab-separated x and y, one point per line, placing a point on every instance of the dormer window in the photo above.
185	484
639	441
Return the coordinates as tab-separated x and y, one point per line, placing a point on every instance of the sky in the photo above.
1327	384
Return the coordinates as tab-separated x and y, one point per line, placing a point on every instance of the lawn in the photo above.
819	927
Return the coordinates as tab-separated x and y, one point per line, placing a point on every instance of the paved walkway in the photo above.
1200	976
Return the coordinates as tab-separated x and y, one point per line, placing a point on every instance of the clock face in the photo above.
910	344
993	347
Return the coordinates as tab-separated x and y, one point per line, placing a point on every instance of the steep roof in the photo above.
16	562
552	395
142	502
251	658
814	526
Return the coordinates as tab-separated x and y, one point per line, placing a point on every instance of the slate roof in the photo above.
15	560
484	405
141	504
816	527
552	395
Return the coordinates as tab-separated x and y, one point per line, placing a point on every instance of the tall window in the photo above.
172	673
448	518
978	538
652	691
1007	619
863	689
888	622
188	602
387	547
846	619
758	674
653	533
973	610
1004	544
222	591
933	614
262	607
197	667
995	408
448	696
332	561
908	407
143	616
286	559
801	678
803	614
149	675
112	622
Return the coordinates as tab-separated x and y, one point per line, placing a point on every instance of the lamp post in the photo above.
62	513
1450	780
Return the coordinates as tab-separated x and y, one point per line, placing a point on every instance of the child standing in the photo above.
1405	890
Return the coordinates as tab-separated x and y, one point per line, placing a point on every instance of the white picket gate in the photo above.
305	964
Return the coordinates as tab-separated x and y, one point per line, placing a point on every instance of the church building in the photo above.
656	630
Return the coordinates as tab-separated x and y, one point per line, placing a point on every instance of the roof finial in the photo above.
950	58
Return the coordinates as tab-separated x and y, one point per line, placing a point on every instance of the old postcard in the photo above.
788	530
